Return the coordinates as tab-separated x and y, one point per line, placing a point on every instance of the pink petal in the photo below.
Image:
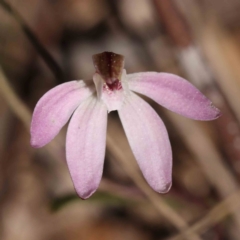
174	93
149	141
85	146
54	109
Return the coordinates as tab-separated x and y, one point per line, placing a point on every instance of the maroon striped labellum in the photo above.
109	65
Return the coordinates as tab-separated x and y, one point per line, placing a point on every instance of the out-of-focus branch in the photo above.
208	157
23	113
220	80
174	23
138	42
214	216
21	110
51	63
127	163
17	106
200	74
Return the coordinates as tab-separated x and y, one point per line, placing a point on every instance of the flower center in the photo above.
110	79
112	85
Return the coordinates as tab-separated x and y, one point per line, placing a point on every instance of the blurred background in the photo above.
44	43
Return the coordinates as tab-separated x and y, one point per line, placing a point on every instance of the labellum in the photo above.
109	65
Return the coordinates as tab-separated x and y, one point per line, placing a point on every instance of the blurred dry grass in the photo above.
198	40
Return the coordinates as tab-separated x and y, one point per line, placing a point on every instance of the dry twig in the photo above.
21	111
214	216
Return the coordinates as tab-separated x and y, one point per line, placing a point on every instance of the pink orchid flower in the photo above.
88	102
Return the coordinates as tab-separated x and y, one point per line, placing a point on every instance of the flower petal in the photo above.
85	146
174	93
149	141
54	109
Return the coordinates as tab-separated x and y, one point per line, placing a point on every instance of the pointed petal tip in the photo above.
84	190
85	146
218	113
37	141
214	114
175	94
85	195
54	109
34	143
165	188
